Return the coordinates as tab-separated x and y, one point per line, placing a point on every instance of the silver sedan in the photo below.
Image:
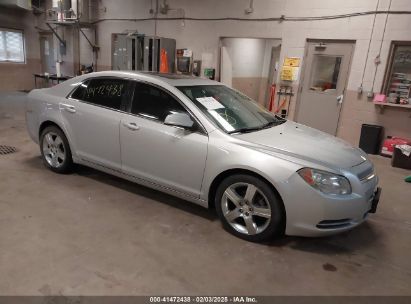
209	144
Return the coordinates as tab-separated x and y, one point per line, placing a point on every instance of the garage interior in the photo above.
90	233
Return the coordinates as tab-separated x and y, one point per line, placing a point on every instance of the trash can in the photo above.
370	139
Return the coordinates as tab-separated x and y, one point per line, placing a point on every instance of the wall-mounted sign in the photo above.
292	61
187	53
290	69
289	73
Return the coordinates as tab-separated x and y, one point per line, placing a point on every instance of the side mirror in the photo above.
182	120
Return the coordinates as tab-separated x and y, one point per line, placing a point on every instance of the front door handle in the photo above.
68	108
131	125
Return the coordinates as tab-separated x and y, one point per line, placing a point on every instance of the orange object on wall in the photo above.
163	61
272	97
276	111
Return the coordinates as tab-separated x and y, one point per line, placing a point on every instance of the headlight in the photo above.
326	182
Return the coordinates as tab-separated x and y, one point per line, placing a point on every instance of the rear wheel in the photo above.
249	208
55	150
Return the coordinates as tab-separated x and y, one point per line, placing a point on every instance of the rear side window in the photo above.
106	92
152	102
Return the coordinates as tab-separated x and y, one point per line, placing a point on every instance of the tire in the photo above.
55	150
249	208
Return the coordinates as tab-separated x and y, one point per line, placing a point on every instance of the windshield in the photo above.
229	109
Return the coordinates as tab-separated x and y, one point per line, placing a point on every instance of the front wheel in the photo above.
250	208
55	150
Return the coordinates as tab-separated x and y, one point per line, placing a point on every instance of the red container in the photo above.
389	144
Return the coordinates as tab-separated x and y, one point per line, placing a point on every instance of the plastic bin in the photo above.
370	139
400	160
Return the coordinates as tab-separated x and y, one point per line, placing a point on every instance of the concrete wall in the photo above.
70	60
86	51
250	60
203	37
19	76
125	9
247	56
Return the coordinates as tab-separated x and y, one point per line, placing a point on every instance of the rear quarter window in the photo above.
80	91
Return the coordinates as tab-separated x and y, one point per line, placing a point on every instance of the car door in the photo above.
165	155
92	116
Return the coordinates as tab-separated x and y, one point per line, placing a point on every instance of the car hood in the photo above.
306	143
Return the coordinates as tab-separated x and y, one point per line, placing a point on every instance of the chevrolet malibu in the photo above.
204	142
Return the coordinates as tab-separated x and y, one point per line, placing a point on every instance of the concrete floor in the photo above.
89	233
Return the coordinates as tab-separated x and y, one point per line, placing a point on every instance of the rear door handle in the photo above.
131	125
68	108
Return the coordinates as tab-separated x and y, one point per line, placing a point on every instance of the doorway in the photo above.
249	65
48	64
325	74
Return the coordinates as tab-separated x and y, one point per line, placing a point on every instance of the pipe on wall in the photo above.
280	19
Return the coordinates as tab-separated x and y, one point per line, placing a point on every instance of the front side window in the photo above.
229	109
11	46
106	92
154	103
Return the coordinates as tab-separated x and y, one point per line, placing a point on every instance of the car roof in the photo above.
172	79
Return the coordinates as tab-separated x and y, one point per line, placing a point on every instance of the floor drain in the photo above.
7	150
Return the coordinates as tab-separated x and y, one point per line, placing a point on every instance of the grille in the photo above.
364	171
7	150
366	174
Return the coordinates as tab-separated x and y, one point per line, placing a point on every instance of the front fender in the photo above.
226	155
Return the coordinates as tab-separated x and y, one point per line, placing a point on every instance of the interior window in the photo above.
325	73
11	45
398	88
152	102
106	92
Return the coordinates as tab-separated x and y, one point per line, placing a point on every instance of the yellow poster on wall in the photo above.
290	69
292	61
287	73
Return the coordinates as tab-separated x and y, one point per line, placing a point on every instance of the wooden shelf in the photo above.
382	105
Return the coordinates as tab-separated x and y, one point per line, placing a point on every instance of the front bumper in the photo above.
375	200
312	213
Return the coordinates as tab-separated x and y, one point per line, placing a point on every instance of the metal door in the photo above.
323	85
48	64
127	52
151	54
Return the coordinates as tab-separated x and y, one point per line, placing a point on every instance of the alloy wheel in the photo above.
246	208
53	150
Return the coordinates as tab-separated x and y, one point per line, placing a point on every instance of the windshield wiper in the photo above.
270	124
244	130
265	126
277	122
